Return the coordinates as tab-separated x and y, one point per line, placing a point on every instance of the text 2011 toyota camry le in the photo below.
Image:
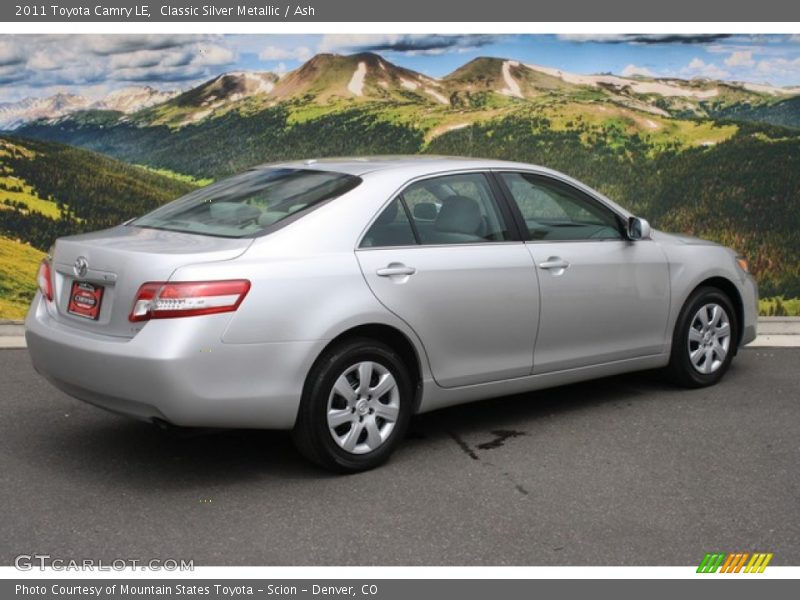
337	298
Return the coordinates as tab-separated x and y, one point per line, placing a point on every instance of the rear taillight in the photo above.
164	300
44	279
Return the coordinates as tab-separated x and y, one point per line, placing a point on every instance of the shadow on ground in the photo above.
188	457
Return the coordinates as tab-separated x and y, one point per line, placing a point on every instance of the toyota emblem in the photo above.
80	267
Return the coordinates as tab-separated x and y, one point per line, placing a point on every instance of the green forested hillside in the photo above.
18	265
784	112
232	142
48	190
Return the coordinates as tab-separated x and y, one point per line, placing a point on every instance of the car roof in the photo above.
411	164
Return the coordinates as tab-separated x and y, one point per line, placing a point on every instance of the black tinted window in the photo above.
391	228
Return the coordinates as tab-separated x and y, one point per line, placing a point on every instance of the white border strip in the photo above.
311	27
377	573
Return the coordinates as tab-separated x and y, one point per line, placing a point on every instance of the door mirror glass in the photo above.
638	229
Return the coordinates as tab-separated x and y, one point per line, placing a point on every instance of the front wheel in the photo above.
704	340
355	408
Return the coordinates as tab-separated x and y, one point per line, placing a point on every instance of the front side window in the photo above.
555	211
246	205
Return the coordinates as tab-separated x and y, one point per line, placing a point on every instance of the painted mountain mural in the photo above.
703	156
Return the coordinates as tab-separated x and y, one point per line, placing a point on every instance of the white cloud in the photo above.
644	38
404	42
699	68
633	70
780	67
39	62
139	59
740	58
10	54
10	74
302	53
105	45
44	61
213	54
593	37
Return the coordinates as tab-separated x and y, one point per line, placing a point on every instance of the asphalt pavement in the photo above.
621	471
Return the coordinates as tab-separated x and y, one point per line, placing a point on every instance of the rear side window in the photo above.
249	204
456	209
391	228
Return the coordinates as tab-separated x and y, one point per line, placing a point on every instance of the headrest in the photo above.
425	211
459	214
233	212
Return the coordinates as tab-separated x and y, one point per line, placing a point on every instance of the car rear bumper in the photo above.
175	370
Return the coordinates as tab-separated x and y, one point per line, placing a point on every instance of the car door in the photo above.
603	298
446	258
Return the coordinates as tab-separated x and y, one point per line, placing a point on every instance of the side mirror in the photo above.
638	229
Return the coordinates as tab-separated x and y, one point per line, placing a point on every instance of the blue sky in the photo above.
92	65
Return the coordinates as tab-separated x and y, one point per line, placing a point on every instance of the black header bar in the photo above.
629	11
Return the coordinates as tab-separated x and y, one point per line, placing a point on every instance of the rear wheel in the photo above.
355	408
704	340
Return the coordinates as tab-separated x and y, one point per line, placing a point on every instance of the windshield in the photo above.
247	205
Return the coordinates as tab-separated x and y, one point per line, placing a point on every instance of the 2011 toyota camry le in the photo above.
337	298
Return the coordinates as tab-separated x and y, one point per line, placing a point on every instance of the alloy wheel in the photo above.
709	338
363	407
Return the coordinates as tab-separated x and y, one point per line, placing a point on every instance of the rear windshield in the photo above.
249	204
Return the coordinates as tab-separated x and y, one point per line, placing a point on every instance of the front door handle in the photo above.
554	262
395	269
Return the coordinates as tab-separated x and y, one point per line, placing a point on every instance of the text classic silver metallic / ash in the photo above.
337	298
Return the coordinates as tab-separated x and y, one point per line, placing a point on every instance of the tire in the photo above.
698	362
343	426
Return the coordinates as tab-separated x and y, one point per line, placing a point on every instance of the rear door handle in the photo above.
395	269
554	262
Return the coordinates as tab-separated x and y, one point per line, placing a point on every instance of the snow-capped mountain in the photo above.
14	114
125	100
131	99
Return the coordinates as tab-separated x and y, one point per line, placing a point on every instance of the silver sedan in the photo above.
337	298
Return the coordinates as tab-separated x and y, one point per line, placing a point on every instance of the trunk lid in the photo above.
120	260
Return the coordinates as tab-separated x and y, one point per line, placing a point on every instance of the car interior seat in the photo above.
458	221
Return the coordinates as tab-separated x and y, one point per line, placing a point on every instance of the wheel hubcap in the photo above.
363	407
709	338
